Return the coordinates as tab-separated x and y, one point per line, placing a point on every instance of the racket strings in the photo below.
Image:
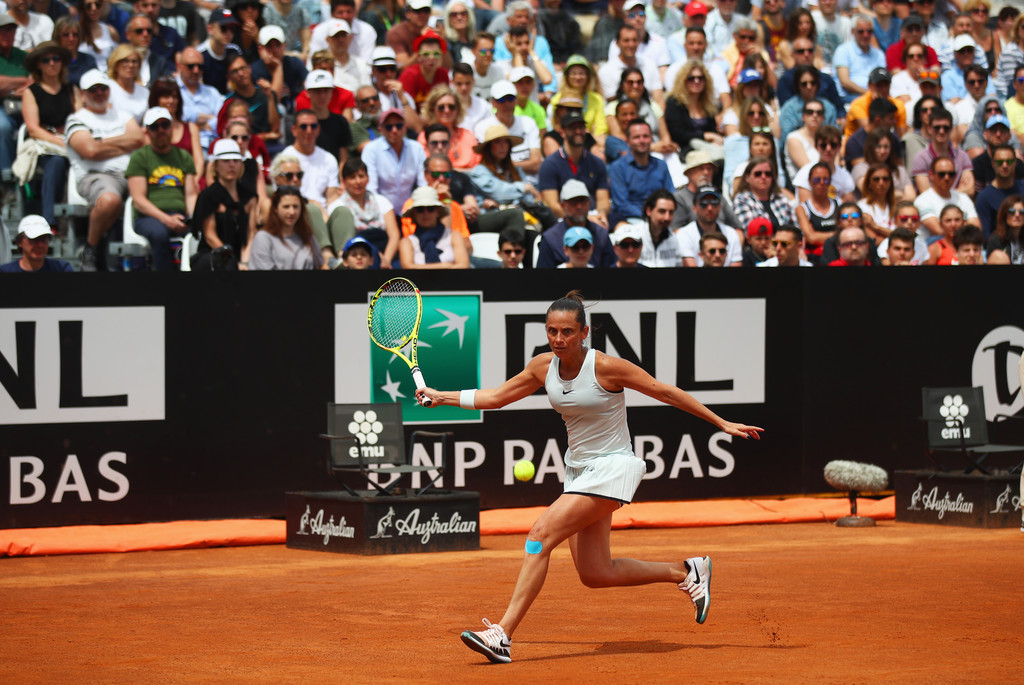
394	316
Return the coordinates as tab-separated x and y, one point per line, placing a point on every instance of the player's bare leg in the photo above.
591	552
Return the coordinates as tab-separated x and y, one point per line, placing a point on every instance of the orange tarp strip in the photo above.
704	513
239	532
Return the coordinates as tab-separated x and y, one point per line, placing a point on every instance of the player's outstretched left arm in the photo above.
614	374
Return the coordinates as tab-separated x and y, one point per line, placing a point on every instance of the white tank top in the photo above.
104	46
595	418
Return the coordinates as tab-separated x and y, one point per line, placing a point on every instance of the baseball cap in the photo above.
519	73
226	149
359	240
696	8
750	75
224	18
417	4
155	114
271	32
383	56
573	189
962	41
630	4
503	88
997	119
391	112
759	226
93	77
318	78
913	20
430	35
338	26
33	226
6	20
570	102
706	190
627	231
573	117
880	75
696	158
575	235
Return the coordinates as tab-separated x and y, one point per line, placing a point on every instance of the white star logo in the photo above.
391	387
452	322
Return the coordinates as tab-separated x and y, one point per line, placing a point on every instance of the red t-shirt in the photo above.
416	85
894	56
341	100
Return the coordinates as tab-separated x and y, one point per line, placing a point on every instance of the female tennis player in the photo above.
601	472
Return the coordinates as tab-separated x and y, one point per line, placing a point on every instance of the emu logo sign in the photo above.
955	411
81	365
995	369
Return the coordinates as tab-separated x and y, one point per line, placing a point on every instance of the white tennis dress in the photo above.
600	459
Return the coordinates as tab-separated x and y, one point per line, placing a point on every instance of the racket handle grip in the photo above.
420	383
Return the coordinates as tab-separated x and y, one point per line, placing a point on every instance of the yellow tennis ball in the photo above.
523	470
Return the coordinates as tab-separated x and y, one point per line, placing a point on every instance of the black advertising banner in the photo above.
153	397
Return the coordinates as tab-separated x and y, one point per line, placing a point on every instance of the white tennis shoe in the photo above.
493	643
698	584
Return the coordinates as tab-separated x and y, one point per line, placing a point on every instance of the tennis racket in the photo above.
393	321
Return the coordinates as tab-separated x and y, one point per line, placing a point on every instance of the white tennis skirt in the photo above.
616	476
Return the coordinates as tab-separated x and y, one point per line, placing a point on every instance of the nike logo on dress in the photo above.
566	392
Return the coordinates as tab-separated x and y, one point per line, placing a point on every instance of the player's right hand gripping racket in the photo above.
394	322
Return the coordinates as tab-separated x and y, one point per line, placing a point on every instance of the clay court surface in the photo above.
790	604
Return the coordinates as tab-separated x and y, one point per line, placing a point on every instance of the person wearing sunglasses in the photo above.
162	184
68	34
321	184
444	107
400	37
954	86
979	87
200	102
942	145
881	117
917	80
960	25
828	144
433	244
707	209
627	41
808	83
1004	184
800	147
166	40
45	106
394	163
907	220
878	150
360	211
911	33
854	247
511	248
759	195
819	215
425	71
184	134
485	72
285	73
335	135
788	244
1007	238
628	243
140	37
855	59
941	180
714	250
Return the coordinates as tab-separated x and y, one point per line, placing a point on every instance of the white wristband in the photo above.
467	399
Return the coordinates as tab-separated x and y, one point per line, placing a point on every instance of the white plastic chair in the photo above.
189	246
536	250
485	245
130	237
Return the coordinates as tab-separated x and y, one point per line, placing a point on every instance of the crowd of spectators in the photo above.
301	134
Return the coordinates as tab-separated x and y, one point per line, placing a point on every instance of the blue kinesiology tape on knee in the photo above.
533	547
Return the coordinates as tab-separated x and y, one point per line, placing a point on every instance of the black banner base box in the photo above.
336	521
958	499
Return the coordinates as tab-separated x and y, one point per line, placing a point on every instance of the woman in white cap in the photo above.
286	242
496	179
433	245
225	213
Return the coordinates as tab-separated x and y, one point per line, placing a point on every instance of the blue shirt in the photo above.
953	85
391	175
631	184
552	250
48	265
859	63
543	50
555	171
207	101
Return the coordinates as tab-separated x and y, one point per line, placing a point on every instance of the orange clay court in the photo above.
790	603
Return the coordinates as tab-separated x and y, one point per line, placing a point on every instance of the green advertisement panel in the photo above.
449	357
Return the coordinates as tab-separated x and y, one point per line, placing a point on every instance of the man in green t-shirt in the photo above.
13	79
526	94
162	183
